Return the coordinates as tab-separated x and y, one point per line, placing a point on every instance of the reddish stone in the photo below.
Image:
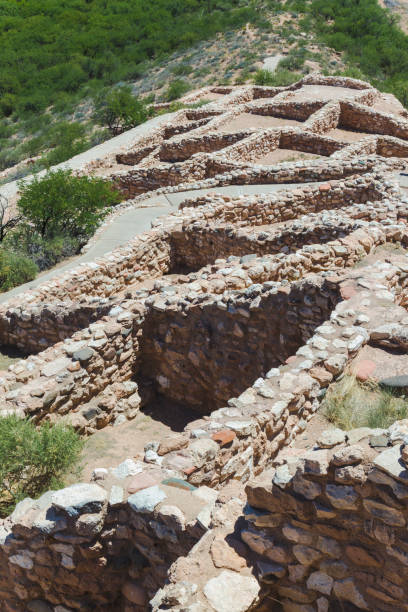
347	291
141	481
189	470
325	187
364	369
223	437
74	366
322	375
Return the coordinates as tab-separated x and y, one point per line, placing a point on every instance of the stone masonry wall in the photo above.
324	119
180	150
357	117
194	354
334	527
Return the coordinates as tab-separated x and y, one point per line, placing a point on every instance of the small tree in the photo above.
8	219
176	89
62	204
33	459
120	110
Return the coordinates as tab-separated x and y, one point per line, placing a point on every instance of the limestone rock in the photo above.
79	499
231	592
146	500
321	582
224	555
390	462
343	497
348	455
203	450
331	437
347	590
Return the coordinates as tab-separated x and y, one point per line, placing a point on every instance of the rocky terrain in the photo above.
228	322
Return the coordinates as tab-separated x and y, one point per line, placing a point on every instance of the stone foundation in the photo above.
242	310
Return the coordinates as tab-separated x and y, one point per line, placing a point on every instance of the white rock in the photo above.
231	592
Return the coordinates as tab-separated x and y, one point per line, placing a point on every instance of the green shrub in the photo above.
120	110
62	204
66	139
33	459
175	90
279	78
45	253
15	269
182	69
294	60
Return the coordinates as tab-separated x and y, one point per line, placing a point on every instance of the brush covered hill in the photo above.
59	57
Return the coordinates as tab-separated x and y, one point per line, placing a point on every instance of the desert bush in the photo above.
120	110
279	78
15	269
67	138
294	60
45	253
62	204
182	69
33	459
175	90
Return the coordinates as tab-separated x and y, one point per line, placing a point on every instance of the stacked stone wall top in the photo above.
365	119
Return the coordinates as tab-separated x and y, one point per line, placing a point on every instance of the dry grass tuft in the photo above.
349	404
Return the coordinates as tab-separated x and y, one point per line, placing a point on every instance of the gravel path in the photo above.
271	63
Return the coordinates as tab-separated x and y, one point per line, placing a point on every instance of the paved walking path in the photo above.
136	221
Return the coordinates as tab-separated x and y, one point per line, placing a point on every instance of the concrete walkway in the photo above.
136	221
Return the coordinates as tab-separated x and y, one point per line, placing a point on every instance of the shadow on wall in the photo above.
208	353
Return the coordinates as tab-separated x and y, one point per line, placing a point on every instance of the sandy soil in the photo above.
388	104
212	96
281	155
249	120
321	92
113	444
346	135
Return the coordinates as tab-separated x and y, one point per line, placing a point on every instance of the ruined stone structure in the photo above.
242	309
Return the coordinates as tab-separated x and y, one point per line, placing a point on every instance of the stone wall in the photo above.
194	353
288	110
335	525
253	146
324	119
93	548
324	530
309	142
180	150
358	117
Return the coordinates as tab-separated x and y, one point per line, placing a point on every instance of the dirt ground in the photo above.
346	135
321	92
283	155
113	444
249	120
